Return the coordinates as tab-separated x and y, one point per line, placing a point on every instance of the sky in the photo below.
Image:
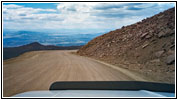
83	15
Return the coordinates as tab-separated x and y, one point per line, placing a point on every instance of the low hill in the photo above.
11	52
147	46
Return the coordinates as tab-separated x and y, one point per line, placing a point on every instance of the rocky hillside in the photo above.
11	52
147	47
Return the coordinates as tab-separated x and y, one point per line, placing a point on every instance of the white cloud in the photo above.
79	41
24	13
87	15
11	6
11	36
65	42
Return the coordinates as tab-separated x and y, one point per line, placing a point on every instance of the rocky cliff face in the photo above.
147	46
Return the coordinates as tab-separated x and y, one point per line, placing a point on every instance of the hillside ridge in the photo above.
10	52
147	46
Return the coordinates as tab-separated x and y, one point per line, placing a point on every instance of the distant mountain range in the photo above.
13	38
10	52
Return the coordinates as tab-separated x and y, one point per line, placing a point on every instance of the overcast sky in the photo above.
86	15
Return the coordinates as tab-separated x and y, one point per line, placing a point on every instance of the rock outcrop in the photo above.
147	46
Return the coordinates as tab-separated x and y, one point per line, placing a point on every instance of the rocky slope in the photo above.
147	47
11	52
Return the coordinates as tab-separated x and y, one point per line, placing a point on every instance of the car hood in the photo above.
95	93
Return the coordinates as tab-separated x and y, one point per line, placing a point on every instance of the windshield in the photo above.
50	42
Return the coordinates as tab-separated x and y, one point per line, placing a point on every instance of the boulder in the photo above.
108	45
159	53
171	52
161	34
145	45
166	32
155	61
170	59
143	35
148	36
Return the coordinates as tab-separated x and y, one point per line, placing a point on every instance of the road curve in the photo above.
39	69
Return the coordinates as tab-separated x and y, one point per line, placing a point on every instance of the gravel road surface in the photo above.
37	70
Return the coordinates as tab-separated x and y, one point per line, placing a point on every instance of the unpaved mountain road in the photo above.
39	69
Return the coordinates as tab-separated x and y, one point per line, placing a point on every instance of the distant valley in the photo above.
13	38
19	42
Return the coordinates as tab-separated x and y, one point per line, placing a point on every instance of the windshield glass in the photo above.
50	42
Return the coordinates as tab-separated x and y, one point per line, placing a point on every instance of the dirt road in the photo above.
38	70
